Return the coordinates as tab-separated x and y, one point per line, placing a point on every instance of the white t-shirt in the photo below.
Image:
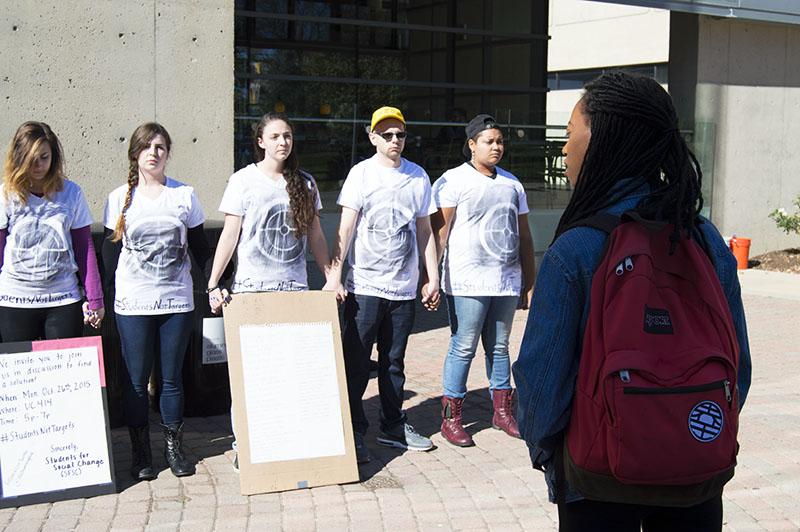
153	270
39	263
482	254
384	256
269	256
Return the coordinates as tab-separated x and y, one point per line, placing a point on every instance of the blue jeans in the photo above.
488	318
368	319
143	338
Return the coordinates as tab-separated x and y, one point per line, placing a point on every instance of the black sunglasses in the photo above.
401	135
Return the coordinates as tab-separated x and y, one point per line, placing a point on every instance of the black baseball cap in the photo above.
476	125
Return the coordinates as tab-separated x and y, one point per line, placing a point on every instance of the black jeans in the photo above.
368	319
48	323
596	516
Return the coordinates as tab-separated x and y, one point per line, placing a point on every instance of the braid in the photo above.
635	140
133	179
140	139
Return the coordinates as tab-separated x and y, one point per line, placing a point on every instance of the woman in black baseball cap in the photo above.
475	126
482	230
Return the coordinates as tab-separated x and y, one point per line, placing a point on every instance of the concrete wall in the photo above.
591	34
747	111
594	35
95	70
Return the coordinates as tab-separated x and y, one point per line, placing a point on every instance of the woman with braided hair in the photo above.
624	152
152	223
45	239
271	210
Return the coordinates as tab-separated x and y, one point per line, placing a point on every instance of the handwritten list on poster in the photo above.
291	391
52	423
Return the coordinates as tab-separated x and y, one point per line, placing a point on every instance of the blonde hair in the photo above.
141	138
22	152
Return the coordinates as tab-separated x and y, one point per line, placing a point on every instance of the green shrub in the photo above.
785	221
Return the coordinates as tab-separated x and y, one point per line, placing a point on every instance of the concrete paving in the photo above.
770	284
487	487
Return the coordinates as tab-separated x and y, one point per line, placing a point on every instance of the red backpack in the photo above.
655	412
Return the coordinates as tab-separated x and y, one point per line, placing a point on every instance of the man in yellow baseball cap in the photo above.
384	113
386	204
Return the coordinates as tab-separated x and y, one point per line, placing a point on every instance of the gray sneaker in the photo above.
410	440
362	454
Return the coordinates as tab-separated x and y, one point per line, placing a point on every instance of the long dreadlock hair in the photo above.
634	136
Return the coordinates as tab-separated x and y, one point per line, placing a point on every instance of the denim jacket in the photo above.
547	367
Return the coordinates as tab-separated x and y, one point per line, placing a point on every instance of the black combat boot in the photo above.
141	456
173	451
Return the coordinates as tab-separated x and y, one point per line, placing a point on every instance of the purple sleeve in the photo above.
86	258
3	235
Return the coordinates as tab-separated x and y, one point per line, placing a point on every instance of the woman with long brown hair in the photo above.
152	223
271	212
45	238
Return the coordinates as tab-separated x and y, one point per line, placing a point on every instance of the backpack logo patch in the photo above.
705	421
657	321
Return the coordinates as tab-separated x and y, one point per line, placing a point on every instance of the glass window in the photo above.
330	73
576	79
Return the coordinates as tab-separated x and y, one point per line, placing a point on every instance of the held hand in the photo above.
218	298
431	297
525	298
336	287
93	317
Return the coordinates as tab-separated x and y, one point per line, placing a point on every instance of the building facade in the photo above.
329	64
207	69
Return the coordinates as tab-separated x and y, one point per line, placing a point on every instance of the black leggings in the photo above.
48	323
596	516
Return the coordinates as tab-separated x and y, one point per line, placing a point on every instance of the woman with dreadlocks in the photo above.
152	223
624	152
271	210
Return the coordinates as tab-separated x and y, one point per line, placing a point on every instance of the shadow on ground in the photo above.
426	419
206	437
203	437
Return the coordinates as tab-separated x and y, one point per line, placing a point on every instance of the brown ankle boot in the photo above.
452	429
503	418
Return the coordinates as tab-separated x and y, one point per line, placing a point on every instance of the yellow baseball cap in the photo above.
385	113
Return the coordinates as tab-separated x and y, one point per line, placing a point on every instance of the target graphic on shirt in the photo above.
274	234
39	251
499	232
156	247
389	236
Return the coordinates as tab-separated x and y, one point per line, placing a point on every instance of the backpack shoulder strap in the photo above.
602	221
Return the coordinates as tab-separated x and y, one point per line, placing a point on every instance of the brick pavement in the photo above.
487	487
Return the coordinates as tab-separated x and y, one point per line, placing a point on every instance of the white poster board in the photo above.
54	438
303	395
289	391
